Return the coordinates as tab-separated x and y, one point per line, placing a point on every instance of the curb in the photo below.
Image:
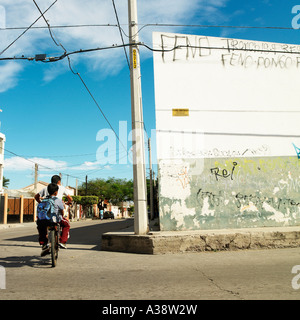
201	241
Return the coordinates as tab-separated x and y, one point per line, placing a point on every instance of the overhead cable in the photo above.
34	162
26	29
80	77
120	29
163	50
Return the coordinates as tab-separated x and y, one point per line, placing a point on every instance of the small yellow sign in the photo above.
134	58
180	112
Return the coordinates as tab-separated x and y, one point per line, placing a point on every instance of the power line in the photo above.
63	156
26	30
150	25
120	29
163	50
211	26
78	74
62	26
143	26
48	25
40	165
97	104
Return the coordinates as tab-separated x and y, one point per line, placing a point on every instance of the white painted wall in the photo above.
230	95
241	104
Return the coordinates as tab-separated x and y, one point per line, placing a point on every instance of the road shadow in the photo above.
90	235
24	261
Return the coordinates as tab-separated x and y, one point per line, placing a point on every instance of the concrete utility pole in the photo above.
36	170
139	174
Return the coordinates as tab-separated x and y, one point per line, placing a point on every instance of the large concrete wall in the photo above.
227	133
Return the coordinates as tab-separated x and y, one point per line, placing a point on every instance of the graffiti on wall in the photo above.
297	151
240	192
235	52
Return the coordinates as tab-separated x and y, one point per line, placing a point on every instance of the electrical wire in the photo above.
210	26
40	165
49	28
26	29
164	50
97	104
62	26
80	77
143	26
120	29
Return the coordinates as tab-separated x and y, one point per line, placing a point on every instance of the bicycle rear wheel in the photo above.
54	247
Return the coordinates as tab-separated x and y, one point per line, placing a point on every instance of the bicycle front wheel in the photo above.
54	247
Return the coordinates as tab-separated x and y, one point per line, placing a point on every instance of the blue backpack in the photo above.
46	210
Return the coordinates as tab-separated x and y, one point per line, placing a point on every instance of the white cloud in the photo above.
21	164
70	12
88	165
48	165
9	75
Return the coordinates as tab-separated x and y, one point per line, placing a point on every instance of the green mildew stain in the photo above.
239	193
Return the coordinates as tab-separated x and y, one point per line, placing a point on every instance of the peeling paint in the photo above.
264	194
250	207
276	189
277	216
205	209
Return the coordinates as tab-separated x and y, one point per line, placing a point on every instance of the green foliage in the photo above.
113	189
131	210
85	200
76	199
88	200
5	182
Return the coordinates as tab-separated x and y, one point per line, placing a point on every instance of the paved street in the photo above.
85	272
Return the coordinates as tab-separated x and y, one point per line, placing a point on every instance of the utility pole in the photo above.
139	174
36	169
151	181
86	188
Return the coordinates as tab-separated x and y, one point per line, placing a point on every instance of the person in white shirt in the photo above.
62	191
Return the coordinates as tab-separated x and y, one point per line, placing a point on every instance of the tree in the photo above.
5	182
86	202
113	189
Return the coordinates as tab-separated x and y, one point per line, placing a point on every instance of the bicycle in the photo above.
53	237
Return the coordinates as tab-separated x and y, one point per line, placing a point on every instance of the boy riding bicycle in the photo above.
42	224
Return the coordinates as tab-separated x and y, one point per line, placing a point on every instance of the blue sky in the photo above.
47	114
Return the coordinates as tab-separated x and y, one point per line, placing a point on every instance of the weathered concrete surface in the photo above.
229	193
200	241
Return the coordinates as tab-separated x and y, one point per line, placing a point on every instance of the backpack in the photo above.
46	210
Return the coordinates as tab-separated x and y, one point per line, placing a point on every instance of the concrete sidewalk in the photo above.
163	242
17	225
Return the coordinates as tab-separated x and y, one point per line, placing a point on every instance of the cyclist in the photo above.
43	224
62	191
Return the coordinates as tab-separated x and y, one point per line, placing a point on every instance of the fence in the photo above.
14	206
20	209
17	209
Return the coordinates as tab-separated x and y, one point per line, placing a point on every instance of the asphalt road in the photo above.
84	272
